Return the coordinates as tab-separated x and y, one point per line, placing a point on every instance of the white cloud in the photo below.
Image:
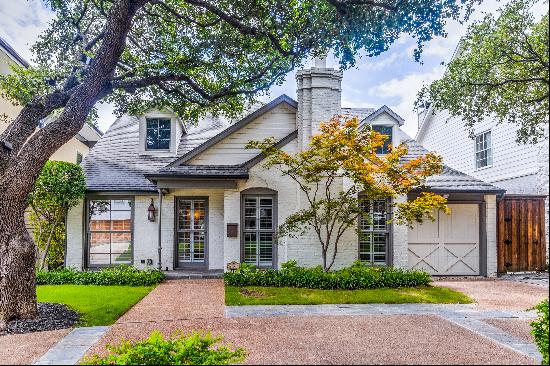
21	22
405	90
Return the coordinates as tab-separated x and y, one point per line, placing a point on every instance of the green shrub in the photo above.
540	330
118	276
356	277
180	349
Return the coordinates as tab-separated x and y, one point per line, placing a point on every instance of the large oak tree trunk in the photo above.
17	261
20	164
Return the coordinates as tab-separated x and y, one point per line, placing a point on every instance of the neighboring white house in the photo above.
216	203
492	155
76	148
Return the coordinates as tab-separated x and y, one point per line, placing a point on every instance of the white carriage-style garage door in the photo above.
449	245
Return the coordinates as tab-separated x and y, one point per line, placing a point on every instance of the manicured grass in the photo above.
252	295
97	305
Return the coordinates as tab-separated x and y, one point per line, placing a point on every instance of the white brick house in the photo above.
216	203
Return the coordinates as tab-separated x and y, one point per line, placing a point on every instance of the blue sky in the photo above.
392	78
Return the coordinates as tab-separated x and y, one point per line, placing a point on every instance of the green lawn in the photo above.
97	305
252	295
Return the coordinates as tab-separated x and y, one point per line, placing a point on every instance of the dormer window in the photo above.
388	132
158	134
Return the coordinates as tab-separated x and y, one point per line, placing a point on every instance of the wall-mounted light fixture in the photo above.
151	212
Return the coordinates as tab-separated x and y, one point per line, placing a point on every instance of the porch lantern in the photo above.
151	212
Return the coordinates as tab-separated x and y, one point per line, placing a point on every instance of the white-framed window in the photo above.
158	134
484	150
374	232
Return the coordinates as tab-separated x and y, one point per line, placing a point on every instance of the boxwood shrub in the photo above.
356	277
118	276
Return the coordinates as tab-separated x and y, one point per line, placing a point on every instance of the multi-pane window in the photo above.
387	131
258	230
484	150
191	231
158	134
109	232
374	232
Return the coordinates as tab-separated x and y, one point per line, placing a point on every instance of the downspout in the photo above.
159	266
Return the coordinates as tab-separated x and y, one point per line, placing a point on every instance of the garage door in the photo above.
449	245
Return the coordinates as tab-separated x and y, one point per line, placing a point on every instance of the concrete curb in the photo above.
72	348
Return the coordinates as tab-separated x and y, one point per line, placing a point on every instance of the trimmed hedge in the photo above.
540	329
118	276
356	277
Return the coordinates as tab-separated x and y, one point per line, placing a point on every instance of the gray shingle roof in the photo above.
450	180
114	163
360	113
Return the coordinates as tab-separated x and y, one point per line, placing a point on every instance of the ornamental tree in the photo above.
339	170
59	187
191	56
500	71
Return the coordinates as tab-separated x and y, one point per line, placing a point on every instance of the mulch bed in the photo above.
50	317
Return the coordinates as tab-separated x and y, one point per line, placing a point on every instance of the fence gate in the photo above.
520	234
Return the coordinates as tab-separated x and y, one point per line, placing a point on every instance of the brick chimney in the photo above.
319	98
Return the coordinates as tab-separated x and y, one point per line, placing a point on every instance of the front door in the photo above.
191	233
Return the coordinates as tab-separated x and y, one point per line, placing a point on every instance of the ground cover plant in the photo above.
97	305
179	349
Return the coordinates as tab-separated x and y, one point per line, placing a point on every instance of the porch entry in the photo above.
191	232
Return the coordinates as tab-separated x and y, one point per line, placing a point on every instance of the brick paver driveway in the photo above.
390	339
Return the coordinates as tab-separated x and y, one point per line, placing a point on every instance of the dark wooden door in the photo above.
520	234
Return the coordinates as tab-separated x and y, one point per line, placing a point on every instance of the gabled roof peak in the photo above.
384	109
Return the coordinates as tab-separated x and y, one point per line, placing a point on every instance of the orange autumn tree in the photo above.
340	163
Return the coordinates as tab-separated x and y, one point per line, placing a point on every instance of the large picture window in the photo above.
374	232
158	134
109	232
259	230
484	150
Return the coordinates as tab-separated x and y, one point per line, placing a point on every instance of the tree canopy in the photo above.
196	56
339	170
500	71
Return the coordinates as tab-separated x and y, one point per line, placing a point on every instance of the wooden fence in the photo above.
521	240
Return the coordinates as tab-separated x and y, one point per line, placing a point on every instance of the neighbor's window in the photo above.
386	131
484	150
109	232
374	232
158	134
